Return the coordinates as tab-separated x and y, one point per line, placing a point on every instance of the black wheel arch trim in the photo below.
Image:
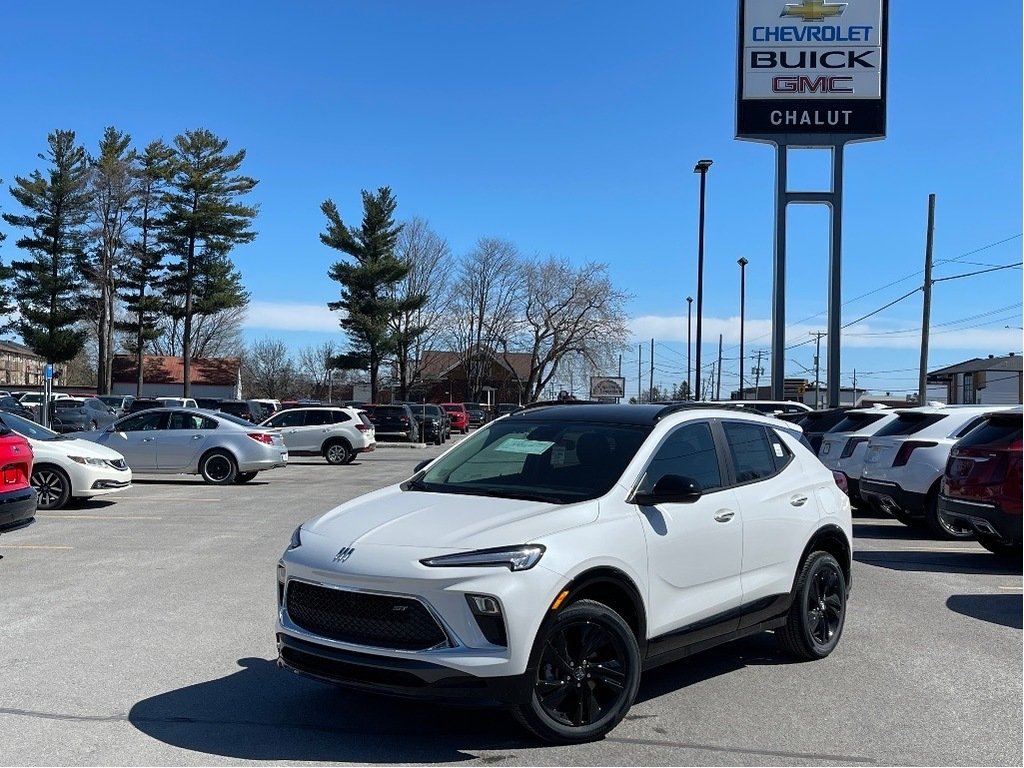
590	585
830	534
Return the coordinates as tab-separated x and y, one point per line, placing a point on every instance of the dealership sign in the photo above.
812	67
607	388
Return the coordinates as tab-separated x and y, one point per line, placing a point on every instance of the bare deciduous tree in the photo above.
487	296
430	264
268	370
315	368
216	335
565	311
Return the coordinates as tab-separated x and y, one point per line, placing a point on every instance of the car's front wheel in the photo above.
584	674
218	468
52	486
816	618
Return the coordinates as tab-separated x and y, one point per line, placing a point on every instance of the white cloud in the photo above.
285	316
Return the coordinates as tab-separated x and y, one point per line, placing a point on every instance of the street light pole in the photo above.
702	168
743	295
689	319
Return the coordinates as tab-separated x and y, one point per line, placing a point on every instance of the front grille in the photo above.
379	621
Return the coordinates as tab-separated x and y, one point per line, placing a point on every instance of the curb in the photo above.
381	445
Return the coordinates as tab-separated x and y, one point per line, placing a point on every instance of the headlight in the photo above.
518	558
89	460
296	541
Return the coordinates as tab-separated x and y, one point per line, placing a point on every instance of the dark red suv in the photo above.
982	484
17	496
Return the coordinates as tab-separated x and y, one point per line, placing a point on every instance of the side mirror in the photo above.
421	465
670	489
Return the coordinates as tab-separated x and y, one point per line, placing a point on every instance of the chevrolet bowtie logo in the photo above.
344	554
813	10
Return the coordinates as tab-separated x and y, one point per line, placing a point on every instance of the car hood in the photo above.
75	447
393	517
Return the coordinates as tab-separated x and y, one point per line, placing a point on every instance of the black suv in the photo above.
816	423
477	414
249	410
395	420
433	422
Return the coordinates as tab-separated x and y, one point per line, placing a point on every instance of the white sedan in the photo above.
66	467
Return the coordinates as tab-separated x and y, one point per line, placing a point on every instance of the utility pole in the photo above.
619	399
758	370
718	385
817	367
854	387
639	371
922	382
651	389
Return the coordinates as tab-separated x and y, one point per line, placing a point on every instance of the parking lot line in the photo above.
97	517
32	546
938	549
1012	589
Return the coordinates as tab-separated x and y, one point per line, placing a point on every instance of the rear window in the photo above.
909	423
997	432
68	404
855	422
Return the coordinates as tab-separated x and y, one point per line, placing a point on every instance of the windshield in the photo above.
27	428
556	462
114	401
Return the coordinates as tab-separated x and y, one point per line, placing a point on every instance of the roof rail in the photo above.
545	403
686	405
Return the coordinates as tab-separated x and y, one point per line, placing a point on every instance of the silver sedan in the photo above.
222	448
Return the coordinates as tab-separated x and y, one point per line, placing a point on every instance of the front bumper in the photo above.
888	496
985	519
17	508
408	677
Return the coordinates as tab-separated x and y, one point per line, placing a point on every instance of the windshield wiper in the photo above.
414	485
499	493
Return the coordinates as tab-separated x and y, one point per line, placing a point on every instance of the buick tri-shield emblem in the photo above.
344	554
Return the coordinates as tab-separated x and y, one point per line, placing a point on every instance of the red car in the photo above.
459	416
17	496
981	487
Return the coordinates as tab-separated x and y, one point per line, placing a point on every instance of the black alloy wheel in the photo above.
218	468
816	618
584	672
52	487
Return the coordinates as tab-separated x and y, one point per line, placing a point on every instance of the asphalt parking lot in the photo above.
138	630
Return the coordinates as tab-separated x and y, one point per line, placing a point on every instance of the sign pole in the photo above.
835	276
779	281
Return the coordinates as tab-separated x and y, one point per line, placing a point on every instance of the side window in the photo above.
752	455
689	452
289	418
318	418
340	417
190	421
969	426
143	422
780	452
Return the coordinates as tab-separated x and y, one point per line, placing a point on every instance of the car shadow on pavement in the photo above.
968	561
756	650
995	609
890	530
263	713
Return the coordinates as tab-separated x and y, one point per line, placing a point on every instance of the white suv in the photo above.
843	447
548	559
336	433
905	460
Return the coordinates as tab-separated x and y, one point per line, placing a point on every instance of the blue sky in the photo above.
568	128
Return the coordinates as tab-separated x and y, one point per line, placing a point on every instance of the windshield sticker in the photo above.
778	449
521	445
558	456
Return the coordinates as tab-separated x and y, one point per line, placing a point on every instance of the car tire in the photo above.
818	613
1001	548
218	468
942	527
583	675
439	440
337	452
52	486
245	477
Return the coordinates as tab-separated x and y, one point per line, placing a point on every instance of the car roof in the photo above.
641	415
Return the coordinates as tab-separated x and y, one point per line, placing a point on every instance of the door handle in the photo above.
197	437
148	439
724	516
798	501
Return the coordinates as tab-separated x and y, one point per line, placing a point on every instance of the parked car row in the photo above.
954	469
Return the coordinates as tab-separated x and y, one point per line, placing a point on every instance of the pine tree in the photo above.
203	222
6	300
48	284
143	266
368	286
